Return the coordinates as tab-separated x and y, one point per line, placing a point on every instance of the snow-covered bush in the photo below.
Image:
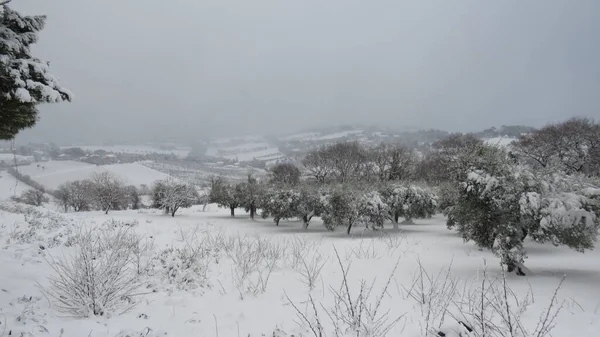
186	268
500	202
254	260
481	307
45	228
99	279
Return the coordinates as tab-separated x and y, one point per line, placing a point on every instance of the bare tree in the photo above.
318	165
108	191
572	146
285	173
33	197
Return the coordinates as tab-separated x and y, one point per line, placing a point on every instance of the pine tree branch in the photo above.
5	2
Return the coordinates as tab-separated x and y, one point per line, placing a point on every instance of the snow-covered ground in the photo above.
9	186
248	151
52	174
213	300
500	141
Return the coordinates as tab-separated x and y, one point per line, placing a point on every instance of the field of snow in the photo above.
227	290
133	149
52	174
246	152
500	141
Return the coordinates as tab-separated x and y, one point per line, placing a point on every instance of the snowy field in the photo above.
500	141
52	174
134	149
246	152
225	295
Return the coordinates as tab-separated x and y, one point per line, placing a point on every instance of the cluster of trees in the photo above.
351	162
103	191
338	204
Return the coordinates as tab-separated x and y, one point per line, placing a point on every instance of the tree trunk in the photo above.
395	224
305	220
232	210
349	228
276	221
107	209
252	212
396	217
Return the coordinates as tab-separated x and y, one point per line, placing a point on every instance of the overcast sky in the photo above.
222	67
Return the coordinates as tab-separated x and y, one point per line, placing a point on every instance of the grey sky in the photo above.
220	67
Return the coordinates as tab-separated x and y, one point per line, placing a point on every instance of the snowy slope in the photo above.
220	308
9	186
133	149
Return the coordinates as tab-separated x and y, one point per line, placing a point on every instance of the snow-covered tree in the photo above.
75	194
171	195
341	208
499	203
410	202
26	80
280	203
309	203
285	173
226	195
108	191
251	192
372	209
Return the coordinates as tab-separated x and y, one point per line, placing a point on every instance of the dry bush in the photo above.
310	269
363	250
254	260
298	247
483	307
354	313
99	279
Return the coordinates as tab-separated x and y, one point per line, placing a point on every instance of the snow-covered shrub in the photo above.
99	279
146	332
499	203
43	227
254	260
354	312
186	268
481	307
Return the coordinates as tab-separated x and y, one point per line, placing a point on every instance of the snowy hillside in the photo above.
251	278
52	174
134	149
9	186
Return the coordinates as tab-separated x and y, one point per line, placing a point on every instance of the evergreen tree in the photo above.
26	80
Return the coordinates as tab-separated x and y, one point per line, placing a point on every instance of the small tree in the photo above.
373	210
341	209
75	194
108	191
280	204
285	173
171	195
309	204
226	195
250	193
133	196
33	197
